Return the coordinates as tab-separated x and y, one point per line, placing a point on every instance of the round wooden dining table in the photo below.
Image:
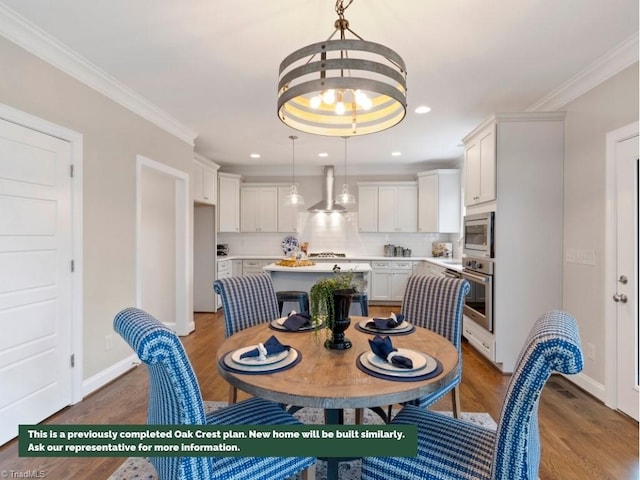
331	379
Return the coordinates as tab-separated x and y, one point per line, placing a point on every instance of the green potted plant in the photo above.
329	301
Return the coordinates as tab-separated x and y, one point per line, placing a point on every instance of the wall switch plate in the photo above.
570	255
586	256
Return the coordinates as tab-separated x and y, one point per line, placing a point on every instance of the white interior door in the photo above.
35	277
626	297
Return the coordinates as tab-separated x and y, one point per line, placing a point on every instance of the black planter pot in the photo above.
341	320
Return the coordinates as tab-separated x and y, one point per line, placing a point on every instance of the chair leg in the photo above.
455	399
309	473
233	394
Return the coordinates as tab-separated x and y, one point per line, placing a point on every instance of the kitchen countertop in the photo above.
453	263
320	268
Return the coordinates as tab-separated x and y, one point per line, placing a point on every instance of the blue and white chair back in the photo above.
453	449
174	393
436	303
247	301
175	399
553	345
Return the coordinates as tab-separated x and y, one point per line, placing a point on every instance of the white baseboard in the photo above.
588	384
105	376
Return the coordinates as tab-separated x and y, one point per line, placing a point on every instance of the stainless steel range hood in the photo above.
327	203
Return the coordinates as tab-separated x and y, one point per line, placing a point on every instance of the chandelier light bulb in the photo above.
316	101
340	108
329	96
362	100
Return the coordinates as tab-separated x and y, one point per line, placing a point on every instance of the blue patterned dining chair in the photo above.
246	301
436	303
452	449
175	399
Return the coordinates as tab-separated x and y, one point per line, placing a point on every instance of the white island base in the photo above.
302	278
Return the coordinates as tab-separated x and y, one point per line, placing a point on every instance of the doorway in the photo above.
162	249
621	311
40	278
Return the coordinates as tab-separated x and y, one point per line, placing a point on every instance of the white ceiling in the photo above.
213	65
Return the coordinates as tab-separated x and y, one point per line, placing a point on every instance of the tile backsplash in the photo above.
335	233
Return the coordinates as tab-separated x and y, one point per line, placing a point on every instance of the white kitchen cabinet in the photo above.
287	214
389	280
398	208
204	180
367	208
480	166
388	207
236	268
252	266
223	267
439	201
228	211
258	208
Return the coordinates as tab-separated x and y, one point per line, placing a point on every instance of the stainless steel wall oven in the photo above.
478	304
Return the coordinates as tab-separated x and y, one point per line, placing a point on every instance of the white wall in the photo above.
112	137
607	107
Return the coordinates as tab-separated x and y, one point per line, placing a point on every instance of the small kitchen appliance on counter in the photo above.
441	249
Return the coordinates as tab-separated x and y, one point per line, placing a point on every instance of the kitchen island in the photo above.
303	278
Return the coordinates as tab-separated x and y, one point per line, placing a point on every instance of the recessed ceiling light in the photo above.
323	154
255	155
423	109
396	154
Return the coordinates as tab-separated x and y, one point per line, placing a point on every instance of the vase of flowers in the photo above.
330	300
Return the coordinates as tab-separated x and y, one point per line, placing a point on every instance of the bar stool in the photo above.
293	296
361	298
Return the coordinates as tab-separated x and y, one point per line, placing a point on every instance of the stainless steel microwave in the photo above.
479	235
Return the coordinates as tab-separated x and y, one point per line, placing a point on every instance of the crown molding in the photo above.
23	33
621	57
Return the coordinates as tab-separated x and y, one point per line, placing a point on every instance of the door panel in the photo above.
35	277
627	263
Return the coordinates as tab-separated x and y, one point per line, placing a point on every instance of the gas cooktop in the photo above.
327	255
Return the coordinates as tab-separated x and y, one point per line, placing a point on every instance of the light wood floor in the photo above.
581	438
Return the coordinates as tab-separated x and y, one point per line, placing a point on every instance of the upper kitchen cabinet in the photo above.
388	207
204	181
228	212
398	208
480	165
439	201
258	208
287	214
367	208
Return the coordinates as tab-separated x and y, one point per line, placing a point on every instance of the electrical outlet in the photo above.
108	341
591	351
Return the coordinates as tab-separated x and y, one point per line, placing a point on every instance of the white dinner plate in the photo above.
418	359
255	361
278	323
431	366
291	357
403	327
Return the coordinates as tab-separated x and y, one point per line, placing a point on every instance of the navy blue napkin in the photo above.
270	347
393	321
382	347
296	321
